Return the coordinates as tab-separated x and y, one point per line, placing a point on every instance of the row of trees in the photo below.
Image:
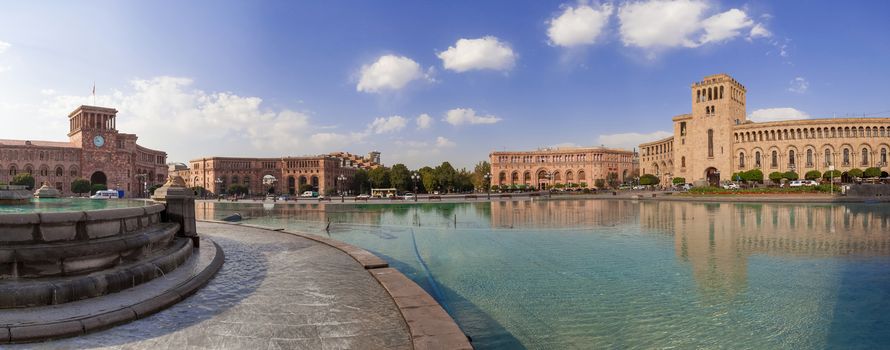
78	186
443	178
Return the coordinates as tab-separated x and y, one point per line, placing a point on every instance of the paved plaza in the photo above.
275	291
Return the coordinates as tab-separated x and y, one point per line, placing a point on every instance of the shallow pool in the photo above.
71	204
580	274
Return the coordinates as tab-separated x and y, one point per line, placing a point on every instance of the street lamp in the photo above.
487	185
415	177
340	180
270	181
218	182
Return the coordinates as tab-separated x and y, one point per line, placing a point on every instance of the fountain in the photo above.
56	267
47	191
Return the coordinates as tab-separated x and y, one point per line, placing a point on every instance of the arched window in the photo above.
846	156
710	95
883	156
682	162
60	171
710	142
741	160
827	157
697	95
791	158
12	170
721	92
757	159
775	160
865	156
809	158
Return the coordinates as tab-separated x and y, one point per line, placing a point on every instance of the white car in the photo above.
105	194
796	183
730	186
309	194
409	196
363	196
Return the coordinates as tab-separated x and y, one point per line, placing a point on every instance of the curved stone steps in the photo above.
58	290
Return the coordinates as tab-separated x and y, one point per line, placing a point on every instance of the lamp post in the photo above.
270	181
218	182
487	182
415	177
340	180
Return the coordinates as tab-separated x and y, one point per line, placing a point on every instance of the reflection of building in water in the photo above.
717	239
561	213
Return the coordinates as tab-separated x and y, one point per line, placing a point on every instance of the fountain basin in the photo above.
12	194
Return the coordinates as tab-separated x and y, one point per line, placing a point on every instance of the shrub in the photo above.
776	176
80	186
583	185
813	175
23	179
648	179
855	172
790	175
678	180
872	172
599	183
831	174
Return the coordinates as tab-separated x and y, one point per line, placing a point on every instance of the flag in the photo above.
94	89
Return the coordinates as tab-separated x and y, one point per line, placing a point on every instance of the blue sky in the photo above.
294	78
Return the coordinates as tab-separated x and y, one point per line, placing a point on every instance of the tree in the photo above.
379	177
445	175
599	183
80	186
612	180
23	179
428	179
812	175
479	172
776	176
790	175
855	172
678	180
359	180
648	180
872	172
400	177
753	175
152	188
831	174
238	189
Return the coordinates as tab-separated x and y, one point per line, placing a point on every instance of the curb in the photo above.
430	326
92	323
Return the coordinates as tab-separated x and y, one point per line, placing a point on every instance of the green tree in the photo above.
790	175
872	172
238	189
428	179
776	176
753	175
612	180
360	182
855	172
600	183
80	186
479	172
812	175
678	180
400	177
23	179
379	177
446	175
831	174
648	180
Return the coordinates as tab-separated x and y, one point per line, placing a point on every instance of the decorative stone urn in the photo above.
180	206
11	194
47	191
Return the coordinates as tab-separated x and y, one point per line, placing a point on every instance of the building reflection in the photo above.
550	214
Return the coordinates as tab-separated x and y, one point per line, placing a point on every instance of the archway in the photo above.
713	176
846	178
315	183
98	178
291	185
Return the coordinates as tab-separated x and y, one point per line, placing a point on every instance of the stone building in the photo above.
716	140
372	161
96	151
284	174
546	167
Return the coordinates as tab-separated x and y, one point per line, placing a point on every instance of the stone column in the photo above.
180	202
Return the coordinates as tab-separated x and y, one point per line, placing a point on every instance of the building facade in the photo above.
284	175
716	140
96	151
547	167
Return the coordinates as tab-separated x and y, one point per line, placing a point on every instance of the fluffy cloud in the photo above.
424	121
389	72
4	46
667	24
799	85
460	116
631	140
759	31
168	113
442	142
777	114
477	54
580	25
383	125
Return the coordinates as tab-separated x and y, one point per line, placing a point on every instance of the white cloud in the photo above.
477	54
442	142
580	25
777	114
424	121
4	46
799	85
656	24
459	116
724	26
759	31
383	125
389	72
631	140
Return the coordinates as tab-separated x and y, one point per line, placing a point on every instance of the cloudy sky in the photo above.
424	82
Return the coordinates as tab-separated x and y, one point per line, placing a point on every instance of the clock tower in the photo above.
93	130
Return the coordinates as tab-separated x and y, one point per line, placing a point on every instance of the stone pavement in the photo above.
275	291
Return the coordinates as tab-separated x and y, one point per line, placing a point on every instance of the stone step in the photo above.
31	292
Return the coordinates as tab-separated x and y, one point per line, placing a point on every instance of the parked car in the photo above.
684	187
363	196
309	194
105	194
624	187
795	183
730	186
409	196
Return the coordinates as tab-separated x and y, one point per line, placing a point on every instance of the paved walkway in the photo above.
276	291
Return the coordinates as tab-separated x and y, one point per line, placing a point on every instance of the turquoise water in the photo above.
70	204
581	274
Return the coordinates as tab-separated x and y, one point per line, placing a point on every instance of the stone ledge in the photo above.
72	326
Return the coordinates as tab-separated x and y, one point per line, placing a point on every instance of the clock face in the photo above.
99	141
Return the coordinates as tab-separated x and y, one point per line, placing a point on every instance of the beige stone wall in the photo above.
567	165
